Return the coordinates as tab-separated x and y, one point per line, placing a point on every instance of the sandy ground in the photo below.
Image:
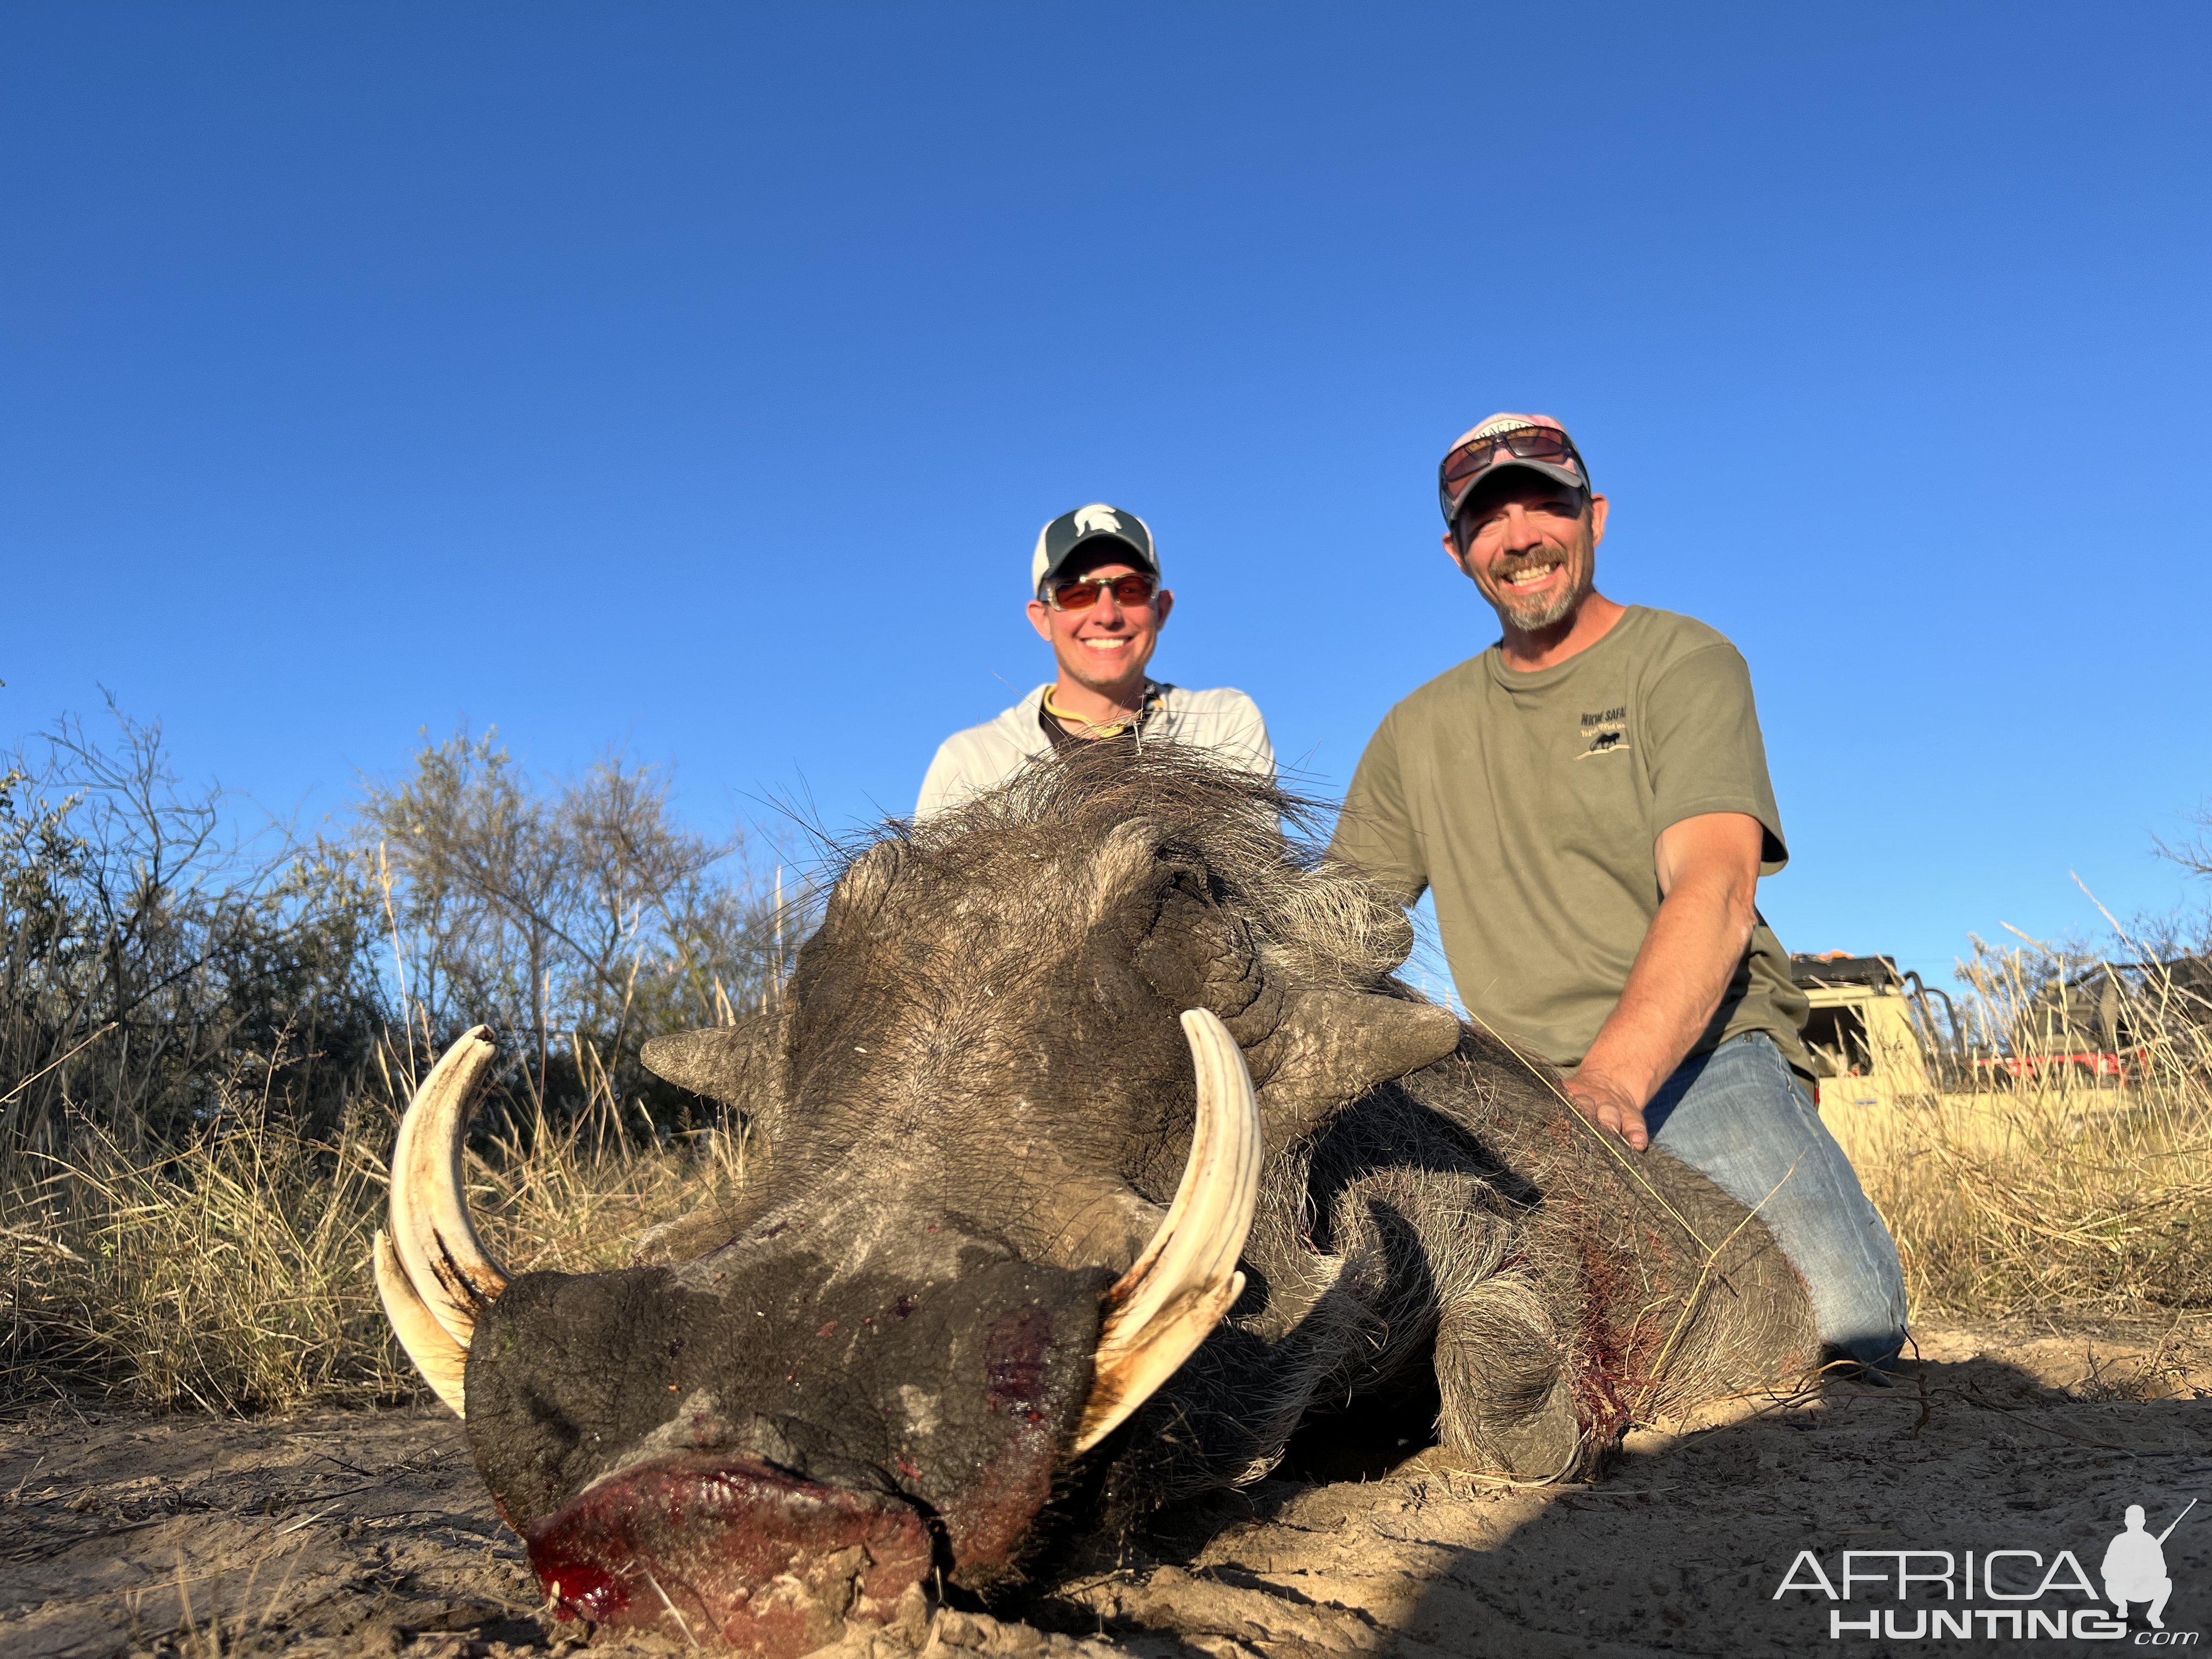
346	1534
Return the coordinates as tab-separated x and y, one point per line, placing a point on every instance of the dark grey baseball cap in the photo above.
1084	528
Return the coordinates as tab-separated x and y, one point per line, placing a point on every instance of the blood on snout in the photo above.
703	1544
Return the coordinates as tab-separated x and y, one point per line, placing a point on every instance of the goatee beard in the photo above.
1537	614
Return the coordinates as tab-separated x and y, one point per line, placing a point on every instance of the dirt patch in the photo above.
368	1533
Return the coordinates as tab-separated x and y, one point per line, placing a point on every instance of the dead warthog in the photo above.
1101	1150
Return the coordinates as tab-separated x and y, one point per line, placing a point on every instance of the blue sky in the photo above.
694	377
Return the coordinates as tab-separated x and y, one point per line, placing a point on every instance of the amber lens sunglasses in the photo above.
1476	455
1130	591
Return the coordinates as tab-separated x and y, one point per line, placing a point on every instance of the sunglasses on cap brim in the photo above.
1131	591
1464	466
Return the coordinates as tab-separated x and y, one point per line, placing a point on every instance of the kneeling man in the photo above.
1589	803
1094	580
2135	1568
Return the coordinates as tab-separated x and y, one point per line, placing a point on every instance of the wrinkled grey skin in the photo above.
978	1063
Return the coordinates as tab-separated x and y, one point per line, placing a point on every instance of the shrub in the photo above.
145	952
579	918
206	1035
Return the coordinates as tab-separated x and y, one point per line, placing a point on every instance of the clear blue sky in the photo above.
695	378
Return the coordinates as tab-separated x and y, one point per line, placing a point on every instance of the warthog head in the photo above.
1015	1107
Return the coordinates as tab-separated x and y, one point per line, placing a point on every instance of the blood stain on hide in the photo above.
1014	1364
986	1523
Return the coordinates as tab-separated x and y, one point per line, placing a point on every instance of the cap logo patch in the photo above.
1097	521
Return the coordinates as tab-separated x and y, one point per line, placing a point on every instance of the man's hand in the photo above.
1609	1106
1708	871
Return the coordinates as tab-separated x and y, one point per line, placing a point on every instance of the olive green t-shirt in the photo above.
1531	804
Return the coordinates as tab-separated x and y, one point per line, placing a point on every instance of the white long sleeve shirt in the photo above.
984	756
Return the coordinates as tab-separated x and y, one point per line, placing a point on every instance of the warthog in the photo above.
1101	1150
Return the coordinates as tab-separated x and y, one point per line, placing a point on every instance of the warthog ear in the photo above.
1332	1047
739	1065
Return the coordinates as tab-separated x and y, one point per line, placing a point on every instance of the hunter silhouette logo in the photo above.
1097	521
2134	1569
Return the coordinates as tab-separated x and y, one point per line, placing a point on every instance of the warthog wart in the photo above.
1101	1151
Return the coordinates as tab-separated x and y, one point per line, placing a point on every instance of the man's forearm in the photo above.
1688	955
1708	871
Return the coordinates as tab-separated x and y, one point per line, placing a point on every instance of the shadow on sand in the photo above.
1365	1545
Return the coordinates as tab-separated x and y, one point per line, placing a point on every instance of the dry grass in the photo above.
233	1273
2058	1196
2058	1201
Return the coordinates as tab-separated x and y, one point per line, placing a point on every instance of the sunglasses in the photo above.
1477	455
1081	592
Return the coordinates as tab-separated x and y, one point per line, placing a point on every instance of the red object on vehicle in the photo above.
2091	1064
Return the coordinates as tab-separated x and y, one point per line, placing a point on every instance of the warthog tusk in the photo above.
1178	1290
446	1275
436	1355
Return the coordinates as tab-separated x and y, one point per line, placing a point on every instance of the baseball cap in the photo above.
1533	443
1057	542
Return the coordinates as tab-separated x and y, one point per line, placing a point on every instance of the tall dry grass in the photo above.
2054	1196
231	1272
2044	1201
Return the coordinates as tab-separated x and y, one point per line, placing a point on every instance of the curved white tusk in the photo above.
1164	1306
445	1261
435	1354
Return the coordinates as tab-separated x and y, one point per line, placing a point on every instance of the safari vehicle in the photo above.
2099	1026
1876	1036
1873	1035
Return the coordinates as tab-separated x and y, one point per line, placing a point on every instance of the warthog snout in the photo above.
794	1431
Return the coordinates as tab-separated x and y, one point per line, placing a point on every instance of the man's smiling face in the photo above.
1105	646
1530	545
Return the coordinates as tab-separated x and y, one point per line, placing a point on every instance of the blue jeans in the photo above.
1741	1115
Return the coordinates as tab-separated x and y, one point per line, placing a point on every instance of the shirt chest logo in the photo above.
1605	733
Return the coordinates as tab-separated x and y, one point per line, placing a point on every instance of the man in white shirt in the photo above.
1098	602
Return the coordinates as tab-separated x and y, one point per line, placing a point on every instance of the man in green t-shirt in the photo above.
1589	802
